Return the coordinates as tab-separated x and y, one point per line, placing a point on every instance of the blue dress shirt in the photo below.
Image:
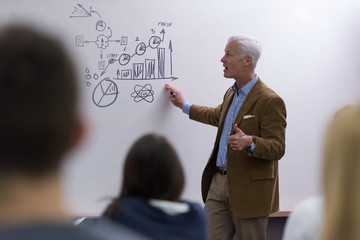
238	100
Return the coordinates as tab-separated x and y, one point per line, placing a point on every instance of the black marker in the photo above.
172	94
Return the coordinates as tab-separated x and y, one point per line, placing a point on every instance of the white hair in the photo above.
248	46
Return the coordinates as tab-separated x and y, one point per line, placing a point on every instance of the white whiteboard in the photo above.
127	50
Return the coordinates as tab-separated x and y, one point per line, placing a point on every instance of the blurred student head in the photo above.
39	123
38	102
341	176
152	170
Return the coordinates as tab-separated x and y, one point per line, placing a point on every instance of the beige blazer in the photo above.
252	179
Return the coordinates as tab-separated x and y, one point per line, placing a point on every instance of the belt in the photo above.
222	171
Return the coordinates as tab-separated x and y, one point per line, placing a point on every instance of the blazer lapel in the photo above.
249	101
227	102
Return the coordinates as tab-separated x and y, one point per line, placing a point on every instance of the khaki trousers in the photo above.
223	221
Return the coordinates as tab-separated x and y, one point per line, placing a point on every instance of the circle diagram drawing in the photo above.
105	93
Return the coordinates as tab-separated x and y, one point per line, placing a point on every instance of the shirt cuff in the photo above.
186	108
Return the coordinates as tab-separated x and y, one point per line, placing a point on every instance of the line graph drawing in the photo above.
140	50
126	57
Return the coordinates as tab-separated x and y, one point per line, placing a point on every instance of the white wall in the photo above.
310	57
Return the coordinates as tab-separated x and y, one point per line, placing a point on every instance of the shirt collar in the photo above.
246	88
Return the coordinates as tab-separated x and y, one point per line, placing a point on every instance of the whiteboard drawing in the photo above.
102	41
80	11
143	93
144	57
105	93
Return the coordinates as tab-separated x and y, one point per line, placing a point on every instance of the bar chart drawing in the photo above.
150	68
161	61
138	69
156	68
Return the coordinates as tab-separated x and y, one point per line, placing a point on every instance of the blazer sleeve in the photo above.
207	115
210	115
270	143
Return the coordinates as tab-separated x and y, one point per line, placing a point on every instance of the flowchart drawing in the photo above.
124	58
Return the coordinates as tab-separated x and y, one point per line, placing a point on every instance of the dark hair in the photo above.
38	98
152	170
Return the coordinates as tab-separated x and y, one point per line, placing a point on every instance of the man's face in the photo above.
233	63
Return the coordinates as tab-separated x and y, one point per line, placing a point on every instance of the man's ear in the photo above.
248	61
78	134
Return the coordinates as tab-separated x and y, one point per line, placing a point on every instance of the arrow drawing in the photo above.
163	34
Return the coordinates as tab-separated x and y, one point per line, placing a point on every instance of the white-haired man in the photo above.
240	181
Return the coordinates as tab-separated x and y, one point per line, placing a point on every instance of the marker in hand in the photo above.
175	96
172	94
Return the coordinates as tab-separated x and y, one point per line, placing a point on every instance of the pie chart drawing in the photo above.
124	59
140	49
154	42
105	93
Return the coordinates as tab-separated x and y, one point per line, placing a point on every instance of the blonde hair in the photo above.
341	176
